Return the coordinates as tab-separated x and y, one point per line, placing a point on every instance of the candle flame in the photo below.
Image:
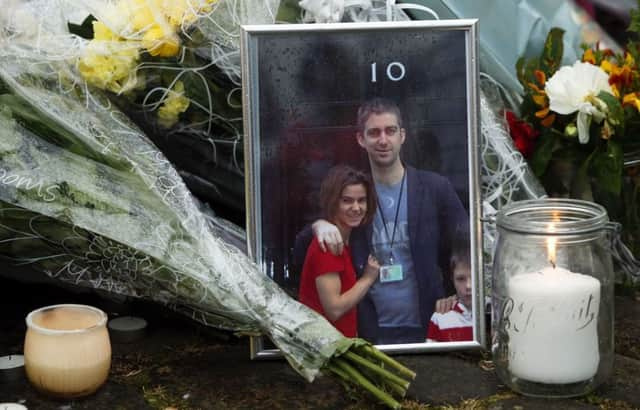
551	245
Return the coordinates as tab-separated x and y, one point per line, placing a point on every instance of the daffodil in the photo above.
175	104
575	89
110	66
103	33
160	43
141	16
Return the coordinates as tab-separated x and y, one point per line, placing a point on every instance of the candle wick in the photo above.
552	263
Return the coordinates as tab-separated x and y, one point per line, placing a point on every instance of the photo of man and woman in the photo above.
409	235
362	178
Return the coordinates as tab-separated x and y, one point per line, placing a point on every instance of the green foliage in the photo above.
543	153
84	29
552	52
634	26
607	167
289	12
616	112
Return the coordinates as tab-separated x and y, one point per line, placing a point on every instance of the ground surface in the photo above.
181	365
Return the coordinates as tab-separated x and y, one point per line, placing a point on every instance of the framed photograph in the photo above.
363	139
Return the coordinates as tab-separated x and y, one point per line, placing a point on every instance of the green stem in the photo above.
355	377
343	377
397	366
375	368
384	384
396	388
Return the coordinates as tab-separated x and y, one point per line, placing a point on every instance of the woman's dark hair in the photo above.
337	179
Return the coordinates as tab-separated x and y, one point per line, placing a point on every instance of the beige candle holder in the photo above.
67	351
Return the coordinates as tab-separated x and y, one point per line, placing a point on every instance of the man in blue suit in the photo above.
417	218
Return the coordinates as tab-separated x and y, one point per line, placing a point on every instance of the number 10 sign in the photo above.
302	87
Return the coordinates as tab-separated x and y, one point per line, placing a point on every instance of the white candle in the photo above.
552	326
12	406
11	367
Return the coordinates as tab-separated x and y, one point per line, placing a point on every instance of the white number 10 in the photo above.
395	71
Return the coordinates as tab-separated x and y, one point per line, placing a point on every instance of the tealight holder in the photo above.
553	294
67	352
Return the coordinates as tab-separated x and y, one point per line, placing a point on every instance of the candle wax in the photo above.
551	320
12	406
11	362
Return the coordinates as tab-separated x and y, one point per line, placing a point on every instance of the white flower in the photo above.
575	88
323	11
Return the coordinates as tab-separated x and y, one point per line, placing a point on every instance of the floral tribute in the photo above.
88	199
580	122
128	31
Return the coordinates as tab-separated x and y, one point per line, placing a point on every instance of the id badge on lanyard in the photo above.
390	271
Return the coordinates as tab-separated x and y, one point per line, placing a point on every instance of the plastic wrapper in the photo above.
88	199
94	203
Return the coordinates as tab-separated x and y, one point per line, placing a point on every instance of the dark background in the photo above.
310	86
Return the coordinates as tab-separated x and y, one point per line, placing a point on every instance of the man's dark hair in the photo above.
338	178
377	106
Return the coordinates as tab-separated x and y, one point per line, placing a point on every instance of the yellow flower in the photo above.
175	104
102	33
110	66
631	99
161	44
607	66
615	91
184	12
629	61
589	56
141	15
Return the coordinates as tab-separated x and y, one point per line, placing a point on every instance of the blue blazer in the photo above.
435	214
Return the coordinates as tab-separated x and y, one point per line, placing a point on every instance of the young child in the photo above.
457	324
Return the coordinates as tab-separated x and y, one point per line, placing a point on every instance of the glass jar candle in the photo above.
67	352
553	281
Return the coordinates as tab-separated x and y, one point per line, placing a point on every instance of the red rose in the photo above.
524	135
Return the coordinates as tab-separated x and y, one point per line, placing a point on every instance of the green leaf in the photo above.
634	26
581	184
616	112
520	71
607	168
85	29
552	53
542	154
289	12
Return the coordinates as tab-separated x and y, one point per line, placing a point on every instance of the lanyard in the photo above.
395	221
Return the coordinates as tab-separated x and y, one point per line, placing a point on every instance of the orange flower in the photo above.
589	56
619	76
542	113
540	100
540	77
548	121
539	97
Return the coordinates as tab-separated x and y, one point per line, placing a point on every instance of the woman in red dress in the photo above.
328	283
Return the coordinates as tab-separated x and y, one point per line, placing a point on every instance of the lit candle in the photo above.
551	320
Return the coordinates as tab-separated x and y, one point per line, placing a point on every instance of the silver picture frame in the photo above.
302	85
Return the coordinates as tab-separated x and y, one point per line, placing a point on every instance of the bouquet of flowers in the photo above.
86	197
174	68
580	126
